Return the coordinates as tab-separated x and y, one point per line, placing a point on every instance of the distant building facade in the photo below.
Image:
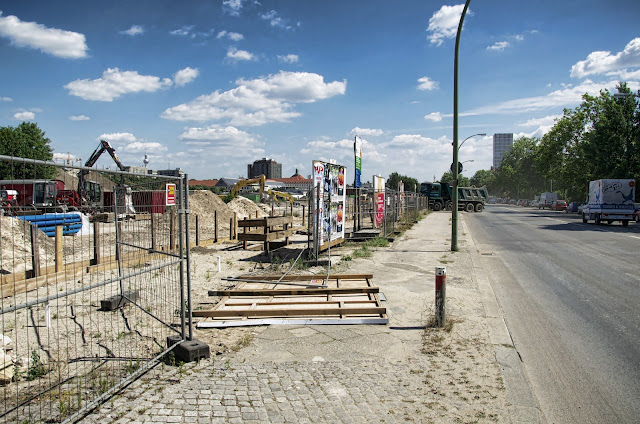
502	143
267	167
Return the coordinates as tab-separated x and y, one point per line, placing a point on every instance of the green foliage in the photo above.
229	197
25	141
447	177
518	175
36	368
410	184
483	177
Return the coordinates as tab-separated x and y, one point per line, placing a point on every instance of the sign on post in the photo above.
357	149
378	190
170	197
329	209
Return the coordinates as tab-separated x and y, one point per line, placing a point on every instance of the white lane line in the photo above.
634	236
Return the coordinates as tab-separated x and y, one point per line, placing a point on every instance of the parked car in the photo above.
573	207
559	205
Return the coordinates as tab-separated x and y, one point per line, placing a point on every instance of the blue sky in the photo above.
210	86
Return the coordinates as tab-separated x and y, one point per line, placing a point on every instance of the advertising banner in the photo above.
170	197
379	203
329	209
357	149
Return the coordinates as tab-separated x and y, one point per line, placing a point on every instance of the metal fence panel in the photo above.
88	297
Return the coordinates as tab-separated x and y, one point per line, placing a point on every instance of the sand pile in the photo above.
246	208
15	245
205	203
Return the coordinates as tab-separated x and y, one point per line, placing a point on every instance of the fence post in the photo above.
153	232
172	229
215	226
59	257
230	229
303	215
235	225
35	252
441	295
197	231
96	243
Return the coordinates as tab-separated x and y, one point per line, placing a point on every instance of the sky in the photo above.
211	86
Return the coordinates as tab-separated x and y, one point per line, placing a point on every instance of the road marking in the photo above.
635	237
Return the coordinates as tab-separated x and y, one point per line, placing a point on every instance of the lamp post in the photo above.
454	212
471	136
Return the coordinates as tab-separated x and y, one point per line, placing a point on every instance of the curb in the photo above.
523	406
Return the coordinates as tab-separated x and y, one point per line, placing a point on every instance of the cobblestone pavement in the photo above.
346	374
287	392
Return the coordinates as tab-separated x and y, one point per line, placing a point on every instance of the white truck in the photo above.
610	200
547	199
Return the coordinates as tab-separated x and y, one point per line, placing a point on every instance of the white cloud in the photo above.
234	36
518	37
236	54
434	116
499	46
57	42
290	58
134	30
183	31
144	146
24	116
603	62
427	83
444	23
6	99
118	138
232	7
185	76
258	101
64	156
275	20
544	121
228	141
366	131
115	83
559	98
79	118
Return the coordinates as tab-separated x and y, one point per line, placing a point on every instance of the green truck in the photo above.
470	199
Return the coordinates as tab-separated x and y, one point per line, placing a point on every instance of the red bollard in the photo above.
441	294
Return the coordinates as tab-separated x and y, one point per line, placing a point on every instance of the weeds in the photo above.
37	368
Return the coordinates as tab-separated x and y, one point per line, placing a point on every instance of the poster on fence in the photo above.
379	203
329	207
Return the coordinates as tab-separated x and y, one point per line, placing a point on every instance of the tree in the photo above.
410	184
25	141
447	178
518	175
598	139
483	177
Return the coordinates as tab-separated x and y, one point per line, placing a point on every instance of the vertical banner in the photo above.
357	150
400	198
330	208
379	203
170	195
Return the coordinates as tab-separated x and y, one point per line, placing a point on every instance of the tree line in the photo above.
598	139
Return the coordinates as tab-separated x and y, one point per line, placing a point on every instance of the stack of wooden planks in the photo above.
315	300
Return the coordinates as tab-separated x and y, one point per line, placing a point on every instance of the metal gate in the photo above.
92	293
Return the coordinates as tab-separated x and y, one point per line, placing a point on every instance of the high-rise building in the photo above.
501	145
267	167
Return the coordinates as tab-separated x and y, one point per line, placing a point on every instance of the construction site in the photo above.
129	271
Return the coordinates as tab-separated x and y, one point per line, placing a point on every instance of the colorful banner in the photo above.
379	204
357	149
330	208
170	197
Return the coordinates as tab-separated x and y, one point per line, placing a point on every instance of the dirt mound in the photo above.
246	208
15	245
205	204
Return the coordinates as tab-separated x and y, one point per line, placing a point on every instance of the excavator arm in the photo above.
102	147
275	194
243	183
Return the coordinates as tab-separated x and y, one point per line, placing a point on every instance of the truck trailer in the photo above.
610	200
470	199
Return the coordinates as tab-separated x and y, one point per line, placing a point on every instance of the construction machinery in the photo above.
243	183
91	192
276	194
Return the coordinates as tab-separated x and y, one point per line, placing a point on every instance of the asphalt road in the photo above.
570	295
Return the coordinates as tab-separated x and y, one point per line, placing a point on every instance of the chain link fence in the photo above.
94	284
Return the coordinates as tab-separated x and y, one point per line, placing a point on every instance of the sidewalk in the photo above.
360	373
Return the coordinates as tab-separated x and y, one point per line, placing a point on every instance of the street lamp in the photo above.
471	136
454	212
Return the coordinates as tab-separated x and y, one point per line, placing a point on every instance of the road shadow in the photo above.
616	227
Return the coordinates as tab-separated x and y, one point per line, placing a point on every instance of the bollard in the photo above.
219	269
441	295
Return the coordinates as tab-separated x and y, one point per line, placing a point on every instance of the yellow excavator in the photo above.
275	194
243	183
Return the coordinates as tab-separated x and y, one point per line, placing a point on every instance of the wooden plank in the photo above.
294	292
291	312
270	236
298	277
